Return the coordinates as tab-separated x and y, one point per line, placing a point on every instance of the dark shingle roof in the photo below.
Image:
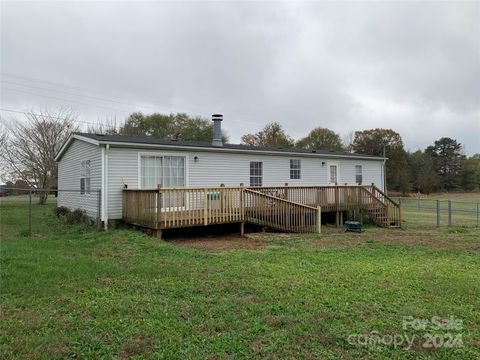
203	144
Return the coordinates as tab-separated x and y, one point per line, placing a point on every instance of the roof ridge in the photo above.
151	140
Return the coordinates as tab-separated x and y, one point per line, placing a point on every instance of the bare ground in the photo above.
434	239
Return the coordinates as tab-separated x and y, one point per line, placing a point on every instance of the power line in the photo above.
76	94
51	83
62	99
48	116
155	106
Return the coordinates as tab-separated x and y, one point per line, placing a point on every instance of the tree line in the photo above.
441	166
29	146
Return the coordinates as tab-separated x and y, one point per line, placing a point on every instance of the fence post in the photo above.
438	213
449	212
319	219
30	212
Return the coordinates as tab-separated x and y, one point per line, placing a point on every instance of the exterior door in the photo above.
333	173
332	180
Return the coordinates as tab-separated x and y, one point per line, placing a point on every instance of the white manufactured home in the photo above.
111	163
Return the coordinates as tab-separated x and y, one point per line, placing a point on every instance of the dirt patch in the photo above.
429	239
229	242
140	344
333	237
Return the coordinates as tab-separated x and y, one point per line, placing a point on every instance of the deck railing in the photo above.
290	208
271	211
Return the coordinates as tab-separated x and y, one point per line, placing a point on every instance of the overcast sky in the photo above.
410	66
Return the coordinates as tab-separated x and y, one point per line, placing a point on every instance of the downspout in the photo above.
105	197
102	186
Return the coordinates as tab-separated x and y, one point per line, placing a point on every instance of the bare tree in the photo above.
3	145
348	141
32	144
110	127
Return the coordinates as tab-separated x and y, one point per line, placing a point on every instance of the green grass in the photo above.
422	212
456	196
73	291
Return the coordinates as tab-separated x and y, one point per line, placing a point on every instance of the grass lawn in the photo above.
422	212
73	291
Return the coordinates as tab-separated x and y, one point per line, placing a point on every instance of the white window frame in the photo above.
299	169
330	163
255	176
359	174
163	154
86	174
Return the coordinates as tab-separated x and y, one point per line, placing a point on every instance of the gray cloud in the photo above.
413	67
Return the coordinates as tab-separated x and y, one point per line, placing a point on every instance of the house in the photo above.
111	163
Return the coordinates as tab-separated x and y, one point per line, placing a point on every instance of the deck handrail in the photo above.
280	214
248	187
376	189
279	199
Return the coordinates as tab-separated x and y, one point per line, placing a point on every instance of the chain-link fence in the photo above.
438	213
27	210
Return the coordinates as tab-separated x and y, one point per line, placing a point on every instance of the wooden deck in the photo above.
286	208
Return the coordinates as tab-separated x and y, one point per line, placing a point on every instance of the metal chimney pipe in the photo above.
217	129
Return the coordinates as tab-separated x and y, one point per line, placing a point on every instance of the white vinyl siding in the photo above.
70	173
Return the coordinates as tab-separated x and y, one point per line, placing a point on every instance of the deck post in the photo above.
157	233
242	229
159	206
337	218
242	202
319	219
400	216
205	207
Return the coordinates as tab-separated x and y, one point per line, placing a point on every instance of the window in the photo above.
256	173
358	174
167	171
85	177
333	174
295	169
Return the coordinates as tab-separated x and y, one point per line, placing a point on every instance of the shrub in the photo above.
77	216
457	230
61	211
